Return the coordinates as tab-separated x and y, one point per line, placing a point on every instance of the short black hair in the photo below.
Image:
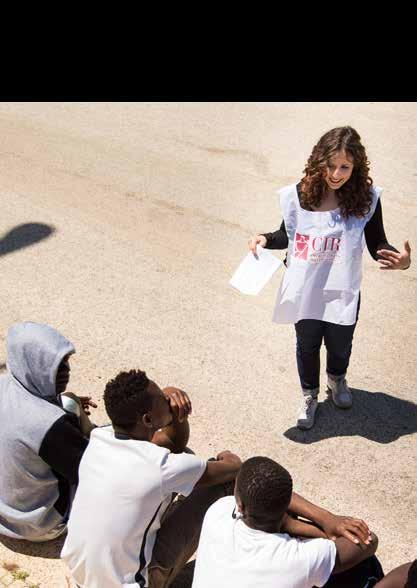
264	487
126	397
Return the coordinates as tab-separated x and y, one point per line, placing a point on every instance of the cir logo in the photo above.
301	245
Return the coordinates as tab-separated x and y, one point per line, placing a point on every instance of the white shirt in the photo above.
231	555
124	488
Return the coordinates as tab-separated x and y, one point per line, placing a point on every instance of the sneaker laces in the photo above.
307	402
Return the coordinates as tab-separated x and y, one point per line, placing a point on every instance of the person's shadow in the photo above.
23	236
47	550
374	415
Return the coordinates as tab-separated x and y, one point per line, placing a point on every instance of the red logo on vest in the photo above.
301	245
325	243
317	249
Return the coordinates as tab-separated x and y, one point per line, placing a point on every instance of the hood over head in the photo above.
34	352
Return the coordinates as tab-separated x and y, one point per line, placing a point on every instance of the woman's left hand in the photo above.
393	260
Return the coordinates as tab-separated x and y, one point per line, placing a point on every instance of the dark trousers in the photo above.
364	575
338	340
178	537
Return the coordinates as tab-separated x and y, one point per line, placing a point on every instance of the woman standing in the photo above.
327	218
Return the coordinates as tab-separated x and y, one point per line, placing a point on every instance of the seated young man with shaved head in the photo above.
124	529
245	540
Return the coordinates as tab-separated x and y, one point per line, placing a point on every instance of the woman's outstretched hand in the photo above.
254	241
393	260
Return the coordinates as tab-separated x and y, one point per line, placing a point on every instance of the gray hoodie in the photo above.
40	444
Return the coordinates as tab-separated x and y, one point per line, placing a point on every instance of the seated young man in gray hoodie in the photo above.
41	444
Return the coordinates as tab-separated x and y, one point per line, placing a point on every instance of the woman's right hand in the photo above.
254	241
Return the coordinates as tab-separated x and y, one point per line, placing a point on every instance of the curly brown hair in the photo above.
354	196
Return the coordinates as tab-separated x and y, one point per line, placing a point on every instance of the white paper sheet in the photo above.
252	274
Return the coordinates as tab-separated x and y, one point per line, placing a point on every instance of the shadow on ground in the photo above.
52	550
375	415
24	236
47	550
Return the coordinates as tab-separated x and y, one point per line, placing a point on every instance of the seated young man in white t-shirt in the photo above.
124	530
245	540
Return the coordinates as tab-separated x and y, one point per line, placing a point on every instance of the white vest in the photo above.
324	262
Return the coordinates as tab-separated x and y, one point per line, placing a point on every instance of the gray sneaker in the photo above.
339	390
307	412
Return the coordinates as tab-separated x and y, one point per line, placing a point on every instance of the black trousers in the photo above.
364	575
338	340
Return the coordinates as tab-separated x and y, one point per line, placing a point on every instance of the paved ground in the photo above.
121	225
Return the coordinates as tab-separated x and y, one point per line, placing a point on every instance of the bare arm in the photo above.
303	508
334	526
85	424
349	555
223	470
299	528
175	437
397	578
84	402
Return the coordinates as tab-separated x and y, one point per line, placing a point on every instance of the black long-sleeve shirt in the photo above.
374	234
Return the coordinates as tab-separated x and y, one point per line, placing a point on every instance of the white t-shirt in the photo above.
125	486
232	555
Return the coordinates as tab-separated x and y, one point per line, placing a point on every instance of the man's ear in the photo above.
240	506
147	420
